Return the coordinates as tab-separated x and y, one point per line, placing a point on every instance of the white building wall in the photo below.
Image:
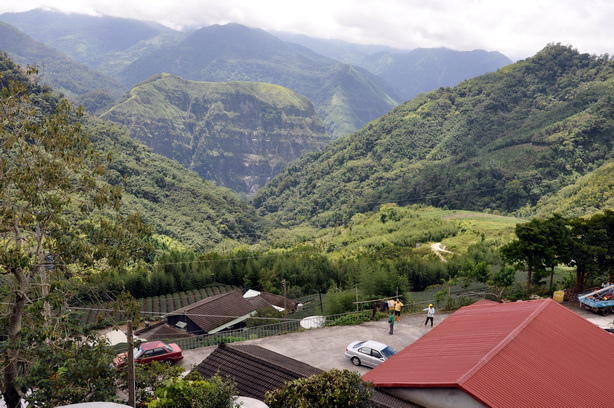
436	397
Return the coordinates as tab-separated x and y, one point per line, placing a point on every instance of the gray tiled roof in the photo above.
257	370
215	311
162	331
279	300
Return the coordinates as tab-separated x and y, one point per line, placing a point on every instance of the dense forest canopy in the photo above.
500	141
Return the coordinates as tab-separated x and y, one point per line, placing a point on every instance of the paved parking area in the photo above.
324	347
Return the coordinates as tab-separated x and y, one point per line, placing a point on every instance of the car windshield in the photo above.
360	343
388	352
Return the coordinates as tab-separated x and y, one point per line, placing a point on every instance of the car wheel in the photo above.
604	311
169	362
355	361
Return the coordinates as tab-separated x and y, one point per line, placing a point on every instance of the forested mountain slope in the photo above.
425	69
238	134
104	43
591	193
345	97
176	202
409	72
500	141
76	81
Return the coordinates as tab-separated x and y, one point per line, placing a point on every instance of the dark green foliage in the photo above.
337	302
238	134
592	250
59	225
585	243
500	141
69	371
148	379
331	389
194	392
175	202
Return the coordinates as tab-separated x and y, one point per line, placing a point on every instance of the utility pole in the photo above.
285	305
130	365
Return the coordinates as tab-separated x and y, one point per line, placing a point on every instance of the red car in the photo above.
153	351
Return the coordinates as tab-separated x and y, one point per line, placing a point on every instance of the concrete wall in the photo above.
436	397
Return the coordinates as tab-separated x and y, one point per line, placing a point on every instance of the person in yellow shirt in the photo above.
397	310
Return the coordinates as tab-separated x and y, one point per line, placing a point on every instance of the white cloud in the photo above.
518	29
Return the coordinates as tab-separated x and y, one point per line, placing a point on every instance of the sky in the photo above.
518	28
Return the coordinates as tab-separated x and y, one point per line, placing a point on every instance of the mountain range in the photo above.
345	96
501	141
532	138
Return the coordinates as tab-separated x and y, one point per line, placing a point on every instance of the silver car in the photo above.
368	353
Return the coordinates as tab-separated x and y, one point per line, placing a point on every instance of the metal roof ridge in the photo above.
201	302
506	340
263	360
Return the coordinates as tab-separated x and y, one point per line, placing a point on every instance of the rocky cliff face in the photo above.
239	134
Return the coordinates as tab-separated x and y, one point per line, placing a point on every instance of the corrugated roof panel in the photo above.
529	354
557	360
444	355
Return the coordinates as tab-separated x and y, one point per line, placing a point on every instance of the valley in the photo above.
145	169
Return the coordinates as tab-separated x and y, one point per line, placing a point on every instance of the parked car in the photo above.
368	353
150	351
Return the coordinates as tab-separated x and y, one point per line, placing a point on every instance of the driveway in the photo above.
324	347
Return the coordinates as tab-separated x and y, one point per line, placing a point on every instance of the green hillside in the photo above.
234	52
396	232
177	203
76	81
500	141
238	134
591	193
104	43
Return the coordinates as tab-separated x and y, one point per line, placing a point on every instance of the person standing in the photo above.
430	313
398	305
391	323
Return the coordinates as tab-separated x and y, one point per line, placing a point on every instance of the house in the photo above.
257	370
280	303
525	354
226	311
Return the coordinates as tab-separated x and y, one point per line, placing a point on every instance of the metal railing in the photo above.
294	325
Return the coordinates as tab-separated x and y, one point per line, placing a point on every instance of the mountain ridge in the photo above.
496	142
238	134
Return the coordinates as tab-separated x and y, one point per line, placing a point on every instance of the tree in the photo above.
592	250
71	371
55	227
331	389
527	250
541	244
195	392
148	379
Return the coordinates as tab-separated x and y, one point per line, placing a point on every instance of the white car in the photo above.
368	353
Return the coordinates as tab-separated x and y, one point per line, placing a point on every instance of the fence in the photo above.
294	325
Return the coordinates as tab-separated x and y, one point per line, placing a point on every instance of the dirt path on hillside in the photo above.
438	248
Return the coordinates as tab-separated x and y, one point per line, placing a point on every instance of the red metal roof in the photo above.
524	354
